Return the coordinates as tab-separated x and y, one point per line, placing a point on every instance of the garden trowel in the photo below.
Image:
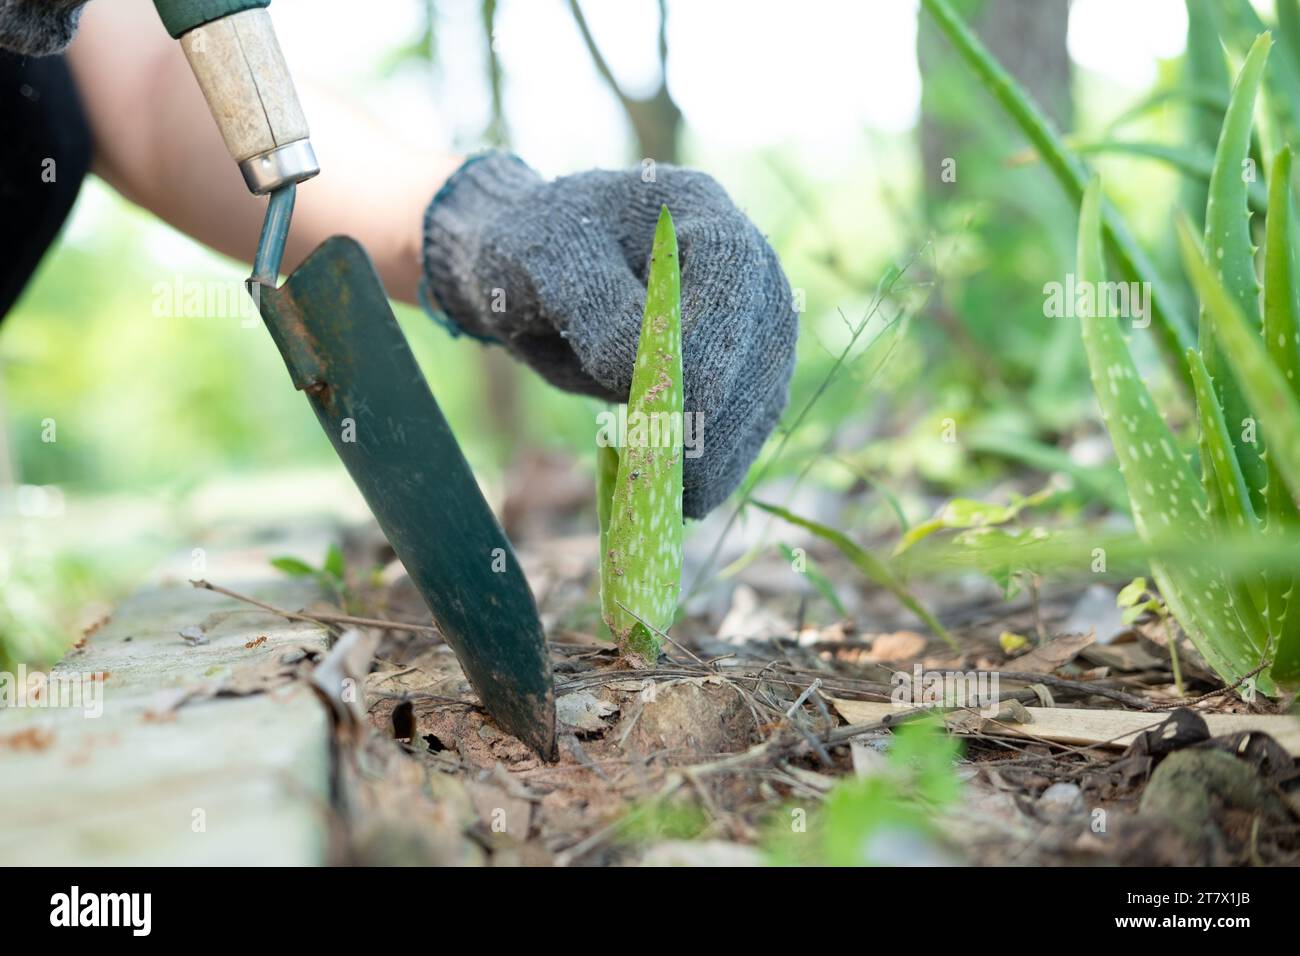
333	324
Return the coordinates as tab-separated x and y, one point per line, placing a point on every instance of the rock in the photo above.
701	853
902	846
688	718
1060	801
1188	787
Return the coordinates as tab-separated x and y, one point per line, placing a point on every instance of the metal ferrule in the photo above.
291	163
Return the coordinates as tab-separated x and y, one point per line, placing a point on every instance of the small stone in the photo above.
1061	800
194	635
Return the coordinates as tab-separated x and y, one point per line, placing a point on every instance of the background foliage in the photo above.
923	298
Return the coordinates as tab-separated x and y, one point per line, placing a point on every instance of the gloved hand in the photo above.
556	272
38	27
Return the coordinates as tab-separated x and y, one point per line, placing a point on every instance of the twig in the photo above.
1064	683
1037	610
815	685
597	57
1184	701
316	617
1172	640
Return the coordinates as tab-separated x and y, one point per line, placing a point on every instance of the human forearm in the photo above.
157	144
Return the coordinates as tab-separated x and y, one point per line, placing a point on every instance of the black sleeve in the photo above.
44	156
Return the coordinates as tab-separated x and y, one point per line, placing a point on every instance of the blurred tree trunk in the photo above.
1027	37
656	120
1018	223
499	372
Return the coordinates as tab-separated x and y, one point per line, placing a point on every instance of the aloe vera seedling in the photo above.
639	484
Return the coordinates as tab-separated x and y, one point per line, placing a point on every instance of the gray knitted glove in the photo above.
556	272
38	27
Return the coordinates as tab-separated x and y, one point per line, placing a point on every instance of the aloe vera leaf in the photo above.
1240	25
1227	236
1269	393
1282	339
866	562
1225	486
1229	484
1174	333
1286	656
1263	384
1281	312
643	546
1167	500
1288	28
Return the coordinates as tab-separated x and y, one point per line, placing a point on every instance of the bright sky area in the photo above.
748	74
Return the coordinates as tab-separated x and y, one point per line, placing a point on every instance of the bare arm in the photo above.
156	143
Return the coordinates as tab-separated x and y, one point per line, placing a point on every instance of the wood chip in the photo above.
1113	728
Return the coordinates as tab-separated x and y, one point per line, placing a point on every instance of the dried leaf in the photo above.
584	711
1055	653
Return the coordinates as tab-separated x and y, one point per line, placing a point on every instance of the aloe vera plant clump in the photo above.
1246	394
1242	370
640	483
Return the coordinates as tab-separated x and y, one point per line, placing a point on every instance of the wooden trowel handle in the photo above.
233	51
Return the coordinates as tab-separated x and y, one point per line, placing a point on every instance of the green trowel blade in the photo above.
336	330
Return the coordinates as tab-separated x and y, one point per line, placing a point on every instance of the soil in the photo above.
725	733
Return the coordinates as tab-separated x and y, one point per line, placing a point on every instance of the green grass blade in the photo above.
606	474
1174	332
815	577
1100	481
1206	69
1227	236
1196	165
294	567
1167	500
1205	100
643	545
866	562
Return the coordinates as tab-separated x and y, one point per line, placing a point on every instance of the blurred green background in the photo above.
829	123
